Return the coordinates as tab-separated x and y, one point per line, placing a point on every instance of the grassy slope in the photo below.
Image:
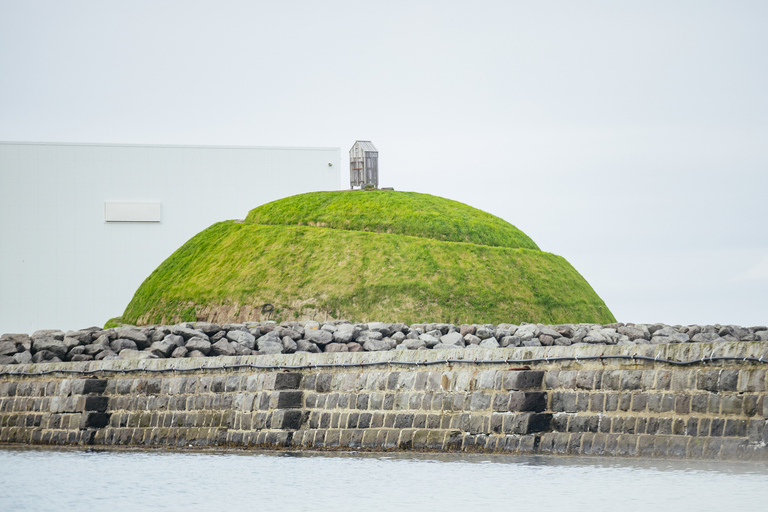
402	213
364	276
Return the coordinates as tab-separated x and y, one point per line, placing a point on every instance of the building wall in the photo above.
61	264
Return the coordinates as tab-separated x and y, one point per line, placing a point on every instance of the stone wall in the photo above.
481	400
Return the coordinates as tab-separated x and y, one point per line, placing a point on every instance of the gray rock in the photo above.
242	350
465	329
7	360
199	344
49	333
121	344
443	346
533	342
75	338
290	332
289	345
483	332
81	357
23	357
379	345
381	327
223	348
207	328
136	354
353	346
8	348
546	340
195	353
270	347
318	336
416	344
562	341
187	333
243	338
336	347
307	346
45	356
179	352
175	339
548	331
328	327
49	344
429	340
510	341
579	334
527	332
346	333
635	332
107	355
162	348
75	351
137	337
398	336
471	339
489	343
453	338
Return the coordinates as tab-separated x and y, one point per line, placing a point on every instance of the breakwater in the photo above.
690	399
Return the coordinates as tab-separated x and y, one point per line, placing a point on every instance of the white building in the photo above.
82	225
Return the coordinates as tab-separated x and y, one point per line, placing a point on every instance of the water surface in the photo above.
63	480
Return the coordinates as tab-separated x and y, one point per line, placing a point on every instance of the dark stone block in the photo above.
404	421
288	380
718	425
520	380
290	399
94	386
95	403
323	382
735	428
728	380
528	423
683	404
95	420
292	420
364	421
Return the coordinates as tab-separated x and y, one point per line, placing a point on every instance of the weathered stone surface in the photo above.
162	348
188	333
453	338
489	343
23	357
346	333
121	344
223	348
199	344
307	346
8	348
268	346
179	352
412	344
50	344
289	345
319	337
136	354
138	337
429	340
242	337
373	345
336	347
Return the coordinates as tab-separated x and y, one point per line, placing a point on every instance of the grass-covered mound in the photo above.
374	255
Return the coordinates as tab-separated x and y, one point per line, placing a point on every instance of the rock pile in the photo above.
199	339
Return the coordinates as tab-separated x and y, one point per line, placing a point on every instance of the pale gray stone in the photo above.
134	335
429	340
453	338
136	354
162	348
318	336
8	348
50	344
289	345
510	341
179	352
200	344
121	344
223	348
243	338
23	357
307	346
471	339
188	333
412	344
489	343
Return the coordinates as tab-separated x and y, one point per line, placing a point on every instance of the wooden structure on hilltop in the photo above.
363	165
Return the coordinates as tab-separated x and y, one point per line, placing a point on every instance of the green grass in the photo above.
387	256
400	213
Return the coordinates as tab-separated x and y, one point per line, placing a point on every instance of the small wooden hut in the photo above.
363	165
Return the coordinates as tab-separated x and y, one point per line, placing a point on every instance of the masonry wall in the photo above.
610	407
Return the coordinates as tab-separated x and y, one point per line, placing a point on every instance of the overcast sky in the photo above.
630	138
